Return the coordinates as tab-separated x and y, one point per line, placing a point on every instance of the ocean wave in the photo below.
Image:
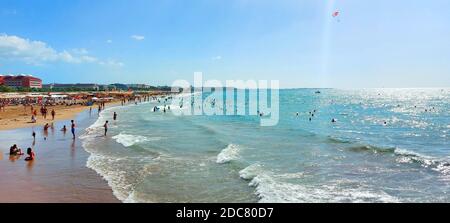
368	148
338	140
250	172
439	165
230	153
271	189
128	140
121	174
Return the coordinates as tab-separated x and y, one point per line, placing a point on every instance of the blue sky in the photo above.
376	43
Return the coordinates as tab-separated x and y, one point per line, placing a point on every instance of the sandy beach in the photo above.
59	172
20	117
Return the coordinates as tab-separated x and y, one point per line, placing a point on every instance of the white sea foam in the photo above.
105	167
128	140
230	153
271	189
121	174
250	172
439	165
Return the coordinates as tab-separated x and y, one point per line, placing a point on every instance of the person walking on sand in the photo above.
106	127
72	128
45	112
53	114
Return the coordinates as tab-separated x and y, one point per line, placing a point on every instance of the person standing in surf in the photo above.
115	116
106	127
72	128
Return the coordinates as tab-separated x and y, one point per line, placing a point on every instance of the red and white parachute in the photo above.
336	13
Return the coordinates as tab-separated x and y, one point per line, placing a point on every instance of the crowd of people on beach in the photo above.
15	152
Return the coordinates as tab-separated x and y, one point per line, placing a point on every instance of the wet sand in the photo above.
59	172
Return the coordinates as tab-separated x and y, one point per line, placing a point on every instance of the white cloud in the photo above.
217	58
37	52
109	41
138	37
80	51
111	63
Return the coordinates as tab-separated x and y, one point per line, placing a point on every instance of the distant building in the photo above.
139	86
16	81
78	86
119	86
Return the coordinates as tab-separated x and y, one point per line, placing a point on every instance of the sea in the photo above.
386	145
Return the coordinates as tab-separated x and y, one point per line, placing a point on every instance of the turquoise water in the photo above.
159	157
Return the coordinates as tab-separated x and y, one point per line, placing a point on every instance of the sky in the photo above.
372	43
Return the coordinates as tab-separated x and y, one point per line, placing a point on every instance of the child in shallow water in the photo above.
31	155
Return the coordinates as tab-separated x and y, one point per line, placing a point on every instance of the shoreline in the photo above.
59	174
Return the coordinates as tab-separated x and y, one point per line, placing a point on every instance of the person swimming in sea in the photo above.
31	155
64	129
33	135
15	151
333	120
